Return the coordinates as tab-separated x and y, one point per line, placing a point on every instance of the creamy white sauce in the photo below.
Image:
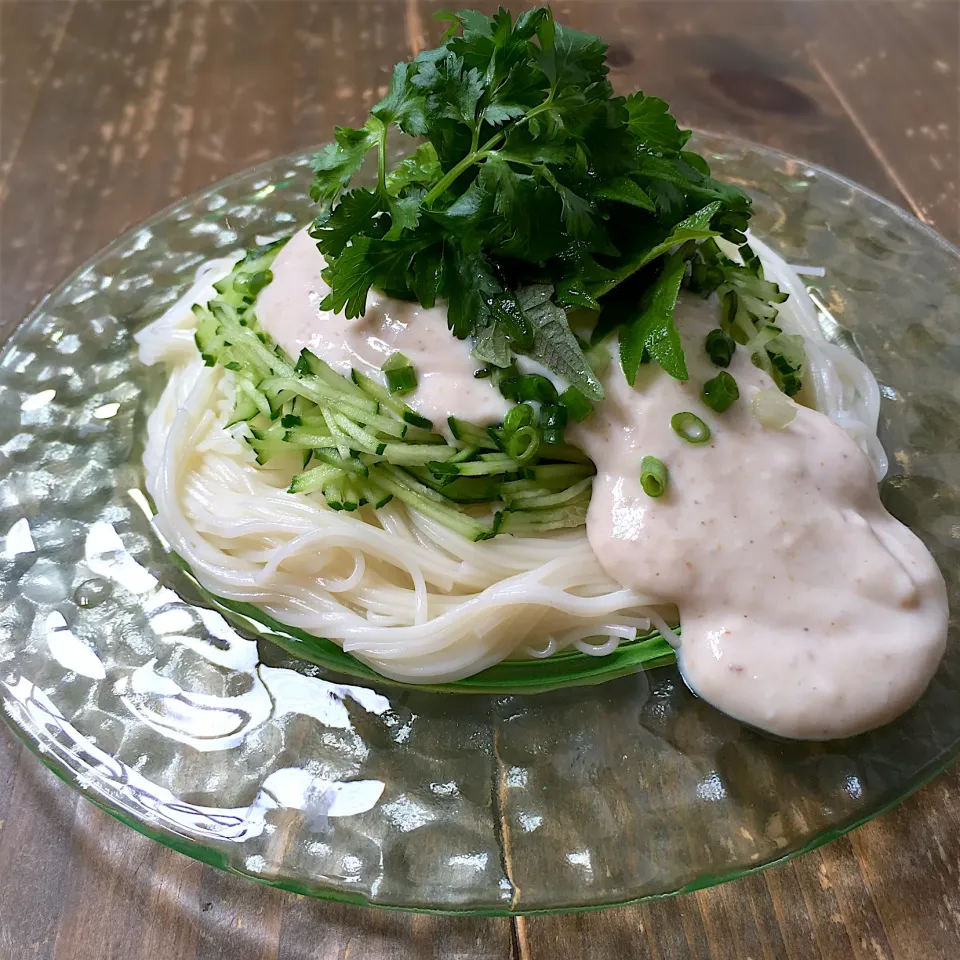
806	609
289	311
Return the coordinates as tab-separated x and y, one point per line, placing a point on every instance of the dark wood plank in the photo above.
35	830
88	888
154	101
312	929
893	67
143	891
739	68
25	66
886	892
80	177
145	102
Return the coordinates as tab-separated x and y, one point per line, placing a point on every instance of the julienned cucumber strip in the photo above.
568	668
748	312
432	504
359	443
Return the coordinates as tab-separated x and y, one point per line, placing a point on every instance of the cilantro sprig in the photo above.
534	192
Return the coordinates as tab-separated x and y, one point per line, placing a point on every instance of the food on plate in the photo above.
534	388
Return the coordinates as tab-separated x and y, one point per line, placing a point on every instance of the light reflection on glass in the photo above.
37	400
18	540
711	787
581	858
853	787
69	651
318	799
107	557
106	411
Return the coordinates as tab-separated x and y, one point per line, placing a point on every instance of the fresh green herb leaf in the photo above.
405	212
532	176
402	105
420	168
472	290
695	227
575	60
651	123
353	216
653	332
339	161
625	190
365	263
554	344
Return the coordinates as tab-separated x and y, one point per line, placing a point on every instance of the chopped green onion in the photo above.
523	445
720	346
653	476
578	406
519	416
395	362
401	377
553	421
688	426
529	387
720	392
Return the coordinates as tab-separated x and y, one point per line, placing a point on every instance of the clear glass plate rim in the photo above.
198	851
195	849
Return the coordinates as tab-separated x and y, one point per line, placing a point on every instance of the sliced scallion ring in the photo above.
720	346
653	476
521	415
553	421
721	392
401	377
523	445
688	426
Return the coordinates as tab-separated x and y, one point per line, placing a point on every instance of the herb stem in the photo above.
476	155
440	188
382	158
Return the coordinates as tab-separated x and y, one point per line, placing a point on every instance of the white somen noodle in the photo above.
412	599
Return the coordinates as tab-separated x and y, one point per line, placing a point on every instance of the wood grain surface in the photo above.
108	111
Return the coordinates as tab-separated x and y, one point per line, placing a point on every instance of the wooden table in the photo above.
111	110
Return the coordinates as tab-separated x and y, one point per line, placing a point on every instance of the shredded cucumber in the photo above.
361	444
748	312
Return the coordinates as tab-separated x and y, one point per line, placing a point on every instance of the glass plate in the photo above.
221	746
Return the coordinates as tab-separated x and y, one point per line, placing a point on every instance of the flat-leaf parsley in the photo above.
535	191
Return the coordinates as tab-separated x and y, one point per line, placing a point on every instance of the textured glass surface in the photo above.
224	748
